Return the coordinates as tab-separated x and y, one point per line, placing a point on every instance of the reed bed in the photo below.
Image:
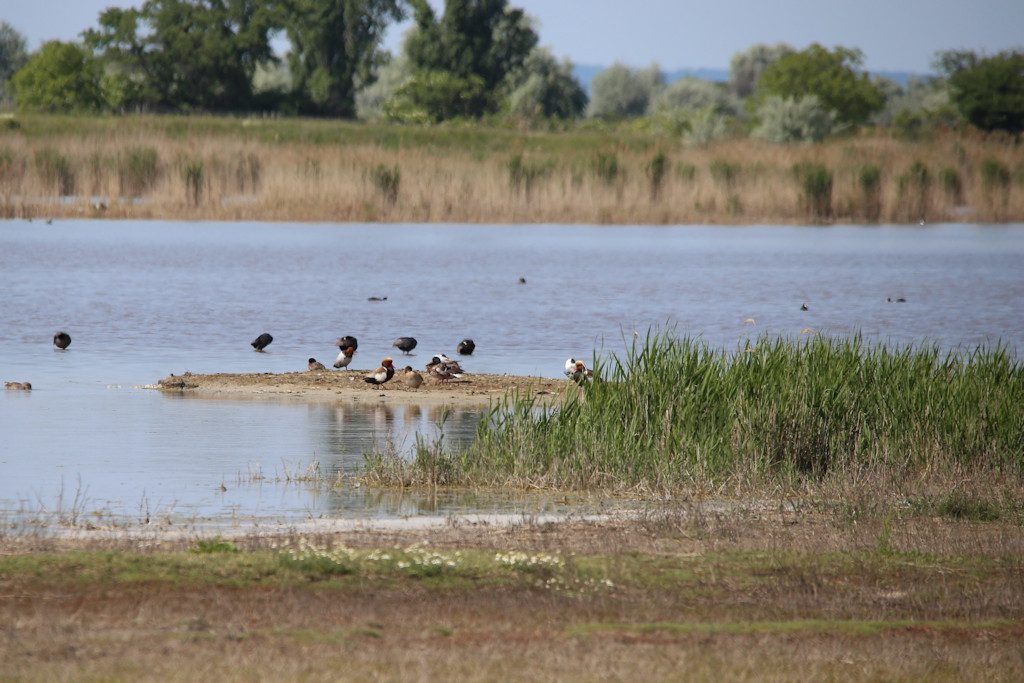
307	170
673	414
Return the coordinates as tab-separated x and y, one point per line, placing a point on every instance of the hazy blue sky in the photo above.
894	34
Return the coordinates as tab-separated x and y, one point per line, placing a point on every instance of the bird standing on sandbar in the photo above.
405	344
345	357
411	378
382	374
313	365
261	342
62	340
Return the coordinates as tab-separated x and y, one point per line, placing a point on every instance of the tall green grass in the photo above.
674	412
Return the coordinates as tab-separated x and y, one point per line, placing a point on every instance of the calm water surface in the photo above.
142	300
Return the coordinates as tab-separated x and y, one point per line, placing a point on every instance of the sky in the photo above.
895	35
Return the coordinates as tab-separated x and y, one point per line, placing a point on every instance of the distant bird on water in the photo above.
382	374
261	342
313	365
803	307
411	378
18	386
899	300
376	298
466	347
405	344
62	340
522	280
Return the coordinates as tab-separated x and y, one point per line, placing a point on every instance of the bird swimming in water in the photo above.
313	365
261	342
522	280
466	347
345	357
405	344
376	298
411	378
382	374
62	340
18	386
803	307
899	300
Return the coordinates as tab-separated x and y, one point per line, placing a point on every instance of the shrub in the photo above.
620	92
793	119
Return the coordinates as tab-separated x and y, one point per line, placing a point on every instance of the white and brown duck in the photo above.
411	378
313	365
382	374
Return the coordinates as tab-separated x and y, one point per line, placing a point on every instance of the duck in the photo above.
405	344
411	378
313	365
18	386
62	340
522	280
466	347
803	307
444	368
376	298
346	342
382	374
345	357
578	372
261	342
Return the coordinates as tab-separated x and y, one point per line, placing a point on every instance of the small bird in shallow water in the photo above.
405	344
411	378
345	357
62	340
466	347
382	374
313	365
261	342
18	386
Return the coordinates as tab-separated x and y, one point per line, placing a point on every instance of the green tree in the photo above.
544	88
59	77
988	92
834	77
13	56
746	67
184	54
474	42
621	92
335	49
437	96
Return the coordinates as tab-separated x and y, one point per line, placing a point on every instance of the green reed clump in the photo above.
725	172
55	171
387	180
995	176
686	171
914	190
656	173
137	171
673	412
248	173
869	180
606	167
523	174
815	189
952	185
12	169
193	175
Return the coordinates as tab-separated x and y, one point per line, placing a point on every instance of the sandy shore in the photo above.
475	389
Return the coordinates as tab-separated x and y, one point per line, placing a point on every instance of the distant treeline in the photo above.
478	58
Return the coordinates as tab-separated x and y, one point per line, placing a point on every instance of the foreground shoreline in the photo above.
471	390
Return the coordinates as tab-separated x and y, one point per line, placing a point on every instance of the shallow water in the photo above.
142	300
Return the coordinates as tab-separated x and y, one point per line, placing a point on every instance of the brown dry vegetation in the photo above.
696	592
227	169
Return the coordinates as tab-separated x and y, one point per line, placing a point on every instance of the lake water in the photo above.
144	299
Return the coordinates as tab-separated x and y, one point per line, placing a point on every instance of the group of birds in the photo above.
61	340
440	366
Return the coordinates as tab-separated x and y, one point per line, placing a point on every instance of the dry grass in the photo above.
762	592
225	169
